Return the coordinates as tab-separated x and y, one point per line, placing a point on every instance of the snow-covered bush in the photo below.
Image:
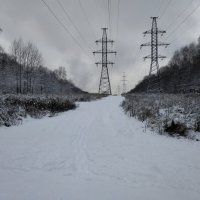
13	108
177	115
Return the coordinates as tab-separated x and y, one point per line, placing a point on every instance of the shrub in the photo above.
176	129
13	108
166	113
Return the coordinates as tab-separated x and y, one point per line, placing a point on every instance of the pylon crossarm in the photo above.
152	31
108	51
147	57
104	41
150	57
114	52
110	41
163	44
145	45
95	52
105	63
162	57
161	32
98	41
147	32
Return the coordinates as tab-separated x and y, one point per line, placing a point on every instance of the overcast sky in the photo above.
31	20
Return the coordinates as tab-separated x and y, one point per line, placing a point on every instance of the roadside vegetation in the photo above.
15	108
28	88
174	115
180	75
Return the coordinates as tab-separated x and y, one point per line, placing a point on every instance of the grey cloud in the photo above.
30	20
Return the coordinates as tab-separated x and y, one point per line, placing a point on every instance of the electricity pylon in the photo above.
154	74
124	83
104	85
118	90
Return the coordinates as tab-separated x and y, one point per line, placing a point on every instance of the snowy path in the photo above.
95	153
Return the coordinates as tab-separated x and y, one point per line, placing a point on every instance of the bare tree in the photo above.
17	52
23	68
28	57
32	60
61	73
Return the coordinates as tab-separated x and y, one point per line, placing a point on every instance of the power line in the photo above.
101	6
183	21
167	6
87	18
159	9
70	19
137	55
105	11
180	13
109	16
118	13
178	16
124	83
63	25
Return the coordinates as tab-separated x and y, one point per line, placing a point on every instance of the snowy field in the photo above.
95	152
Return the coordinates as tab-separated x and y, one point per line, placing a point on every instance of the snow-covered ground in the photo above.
95	152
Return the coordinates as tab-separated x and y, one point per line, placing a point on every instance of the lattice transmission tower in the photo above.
124	83
104	85
118	90
154	74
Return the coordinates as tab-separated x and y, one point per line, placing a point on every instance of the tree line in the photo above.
22	72
181	75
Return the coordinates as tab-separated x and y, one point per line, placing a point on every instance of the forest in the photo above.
182	73
22	72
27	88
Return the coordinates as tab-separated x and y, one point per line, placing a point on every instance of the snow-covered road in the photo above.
95	152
